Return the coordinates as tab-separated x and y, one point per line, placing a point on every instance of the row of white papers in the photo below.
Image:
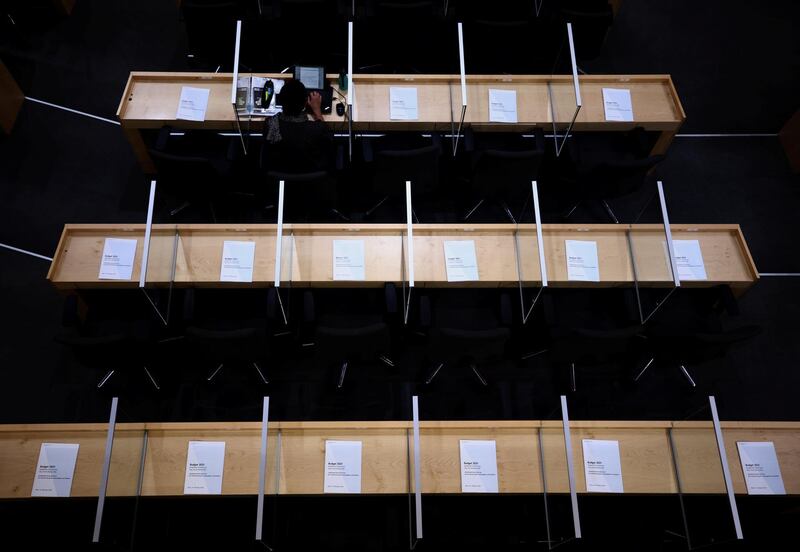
404	106
205	462
348	260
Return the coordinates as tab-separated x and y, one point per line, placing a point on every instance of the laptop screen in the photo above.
312	77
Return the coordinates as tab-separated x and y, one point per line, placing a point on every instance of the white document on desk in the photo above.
192	104
460	261
478	466
205	462
54	469
601	465
117	260
762	474
237	261
582	263
348	260
342	467
502	106
617	104
403	103
689	259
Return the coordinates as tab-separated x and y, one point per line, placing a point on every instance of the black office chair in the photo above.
354	330
691	328
589	327
229	326
105	340
609	180
395	160
590	25
211	32
465	328
502	174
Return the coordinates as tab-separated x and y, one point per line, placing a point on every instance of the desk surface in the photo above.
308	249
645	454
150	100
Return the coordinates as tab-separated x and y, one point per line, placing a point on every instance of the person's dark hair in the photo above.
293	97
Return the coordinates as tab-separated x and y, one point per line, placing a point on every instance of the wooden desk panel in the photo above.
150	100
307	256
644	450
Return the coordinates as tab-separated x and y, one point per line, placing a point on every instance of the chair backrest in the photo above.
305	194
351	343
613	179
505	173
393	167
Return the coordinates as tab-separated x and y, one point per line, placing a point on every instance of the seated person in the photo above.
298	144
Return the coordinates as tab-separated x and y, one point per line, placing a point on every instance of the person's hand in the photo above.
314	104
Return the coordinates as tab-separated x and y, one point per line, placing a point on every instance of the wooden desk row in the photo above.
308	249
646	459
150	100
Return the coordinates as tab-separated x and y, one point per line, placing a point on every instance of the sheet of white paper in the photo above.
689	259
460	261
502	106
582	263
617	104
762	474
55	469
601	465
205	463
192	104
117	260
403	103
478	466
342	467
348	260
237	261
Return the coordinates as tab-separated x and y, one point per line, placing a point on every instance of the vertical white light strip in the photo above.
673	263
726	472
463	72
101	499
236	62
147	229
576	520
262	475
539	238
417	469
409	223
350	64
279	237
574	67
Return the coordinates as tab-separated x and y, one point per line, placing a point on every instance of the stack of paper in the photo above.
601	466
193	104
461	262
403	103
617	104
348	260
502	106
342	467
117	261
760	466
478	466
55	469
205	462
689	260
237	261
582	264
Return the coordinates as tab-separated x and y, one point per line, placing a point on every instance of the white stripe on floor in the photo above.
73	110
31	253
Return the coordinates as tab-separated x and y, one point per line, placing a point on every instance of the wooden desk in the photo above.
645	455
307	254
150	100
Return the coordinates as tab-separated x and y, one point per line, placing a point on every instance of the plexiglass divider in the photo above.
529	252
408	250
159	258
456	133
238	100
565	98
279	254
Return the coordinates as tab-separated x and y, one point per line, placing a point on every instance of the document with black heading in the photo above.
461	262
342	467
403	103
617	104
601	466
502	106
205	462
348	260
192	104
762	473
689	259
237	261
478	466
582	262
54	469
117	260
